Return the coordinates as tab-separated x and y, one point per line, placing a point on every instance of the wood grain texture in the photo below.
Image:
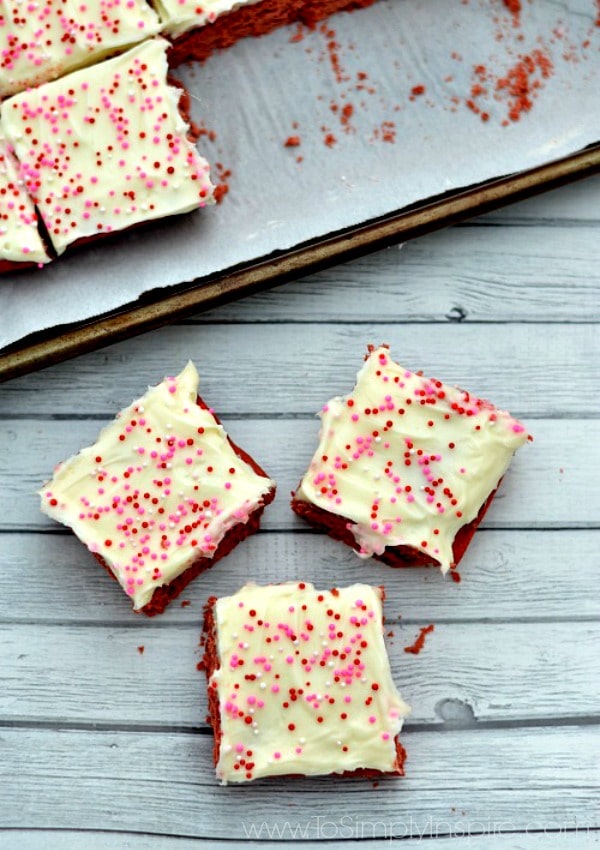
473	274
577	204
534	370
164	783
507	575
83	674
577	839
104	748
548	484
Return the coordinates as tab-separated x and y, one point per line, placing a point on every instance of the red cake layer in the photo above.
167	592
394	556
7	266
210	663
253	20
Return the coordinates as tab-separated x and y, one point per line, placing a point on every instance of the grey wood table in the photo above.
103	747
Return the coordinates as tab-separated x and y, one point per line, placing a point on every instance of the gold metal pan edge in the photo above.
60	343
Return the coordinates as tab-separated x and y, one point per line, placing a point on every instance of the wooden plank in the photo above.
577	839
577	203
547	486
534	370
545	672
507	575
483	274
484	781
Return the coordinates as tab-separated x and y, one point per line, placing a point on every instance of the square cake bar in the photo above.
43	40
299	682
406	466
106	147
20	241
161	495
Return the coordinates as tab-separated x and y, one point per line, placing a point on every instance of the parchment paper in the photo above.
378	102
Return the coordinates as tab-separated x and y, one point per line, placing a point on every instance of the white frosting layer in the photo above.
105	147
19	237
178	16
159	489
44	39
304	683
407	459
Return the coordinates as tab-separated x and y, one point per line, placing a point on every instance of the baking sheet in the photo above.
387	107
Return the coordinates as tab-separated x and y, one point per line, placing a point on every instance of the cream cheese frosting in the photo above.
178	16
159	489
44	39
105	147
19	237
304	683
407	459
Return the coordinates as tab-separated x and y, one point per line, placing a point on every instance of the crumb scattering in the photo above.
416	647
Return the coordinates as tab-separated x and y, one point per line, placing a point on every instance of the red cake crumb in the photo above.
417	646
514	7
417	91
